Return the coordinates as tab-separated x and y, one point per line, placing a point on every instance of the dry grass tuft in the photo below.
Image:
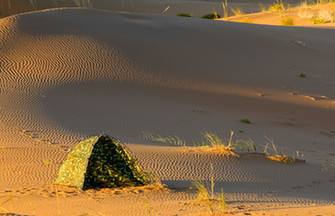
287	21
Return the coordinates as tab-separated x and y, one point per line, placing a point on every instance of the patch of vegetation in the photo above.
287	21
302	75
228	146
225	9
262	7
211	16
245	120
237	11
184	15
316	20
272	153
10	198
208	199
225	145
247	20
175	140
277	7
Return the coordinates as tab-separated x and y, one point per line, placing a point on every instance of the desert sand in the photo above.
69	73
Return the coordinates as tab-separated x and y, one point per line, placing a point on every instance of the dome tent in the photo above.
100	162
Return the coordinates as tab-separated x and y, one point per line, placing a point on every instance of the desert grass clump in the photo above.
247	20
211	16
171	139
272	153
208	199
10	199
262	7
277	7
184	15
287	21
237	11
227	146
155	180
305	13
225	9
203	195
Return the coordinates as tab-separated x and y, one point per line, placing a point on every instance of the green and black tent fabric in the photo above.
100	162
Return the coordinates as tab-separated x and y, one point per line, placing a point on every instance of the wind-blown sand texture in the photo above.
69	73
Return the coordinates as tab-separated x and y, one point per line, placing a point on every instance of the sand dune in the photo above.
69	73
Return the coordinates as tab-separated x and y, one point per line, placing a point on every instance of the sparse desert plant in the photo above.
227	146
211	16
146	204
203	194
225	9
262	7
325	15
237	11
302	75
249	143
222	203
155	180
277	7
33	4
173	139
316	21
288	6
247	20
246	120
167	8
272	153
184	15
10	198
288	21
305	13
201	189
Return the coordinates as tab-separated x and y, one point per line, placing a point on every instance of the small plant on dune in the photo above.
203	194
10	199
246	120
262	7
225	9
222	203
277	7
249	143
166	9
184	15
225	145
247	20
34	4
272	153
155	180
146	204
173	139
237	11
302	75
305	13
287	21
211	16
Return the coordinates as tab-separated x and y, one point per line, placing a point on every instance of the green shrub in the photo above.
184	15
211	16
245	120
302	75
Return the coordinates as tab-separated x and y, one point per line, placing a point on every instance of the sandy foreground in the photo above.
69	73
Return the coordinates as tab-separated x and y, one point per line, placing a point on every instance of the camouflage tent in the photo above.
100	162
